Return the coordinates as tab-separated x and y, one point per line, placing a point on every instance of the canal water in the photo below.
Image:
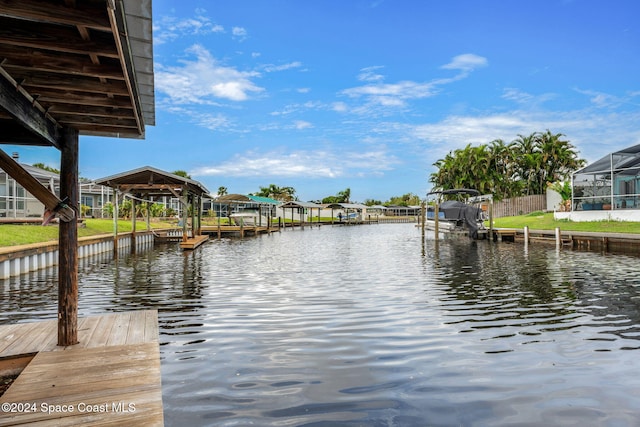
368	326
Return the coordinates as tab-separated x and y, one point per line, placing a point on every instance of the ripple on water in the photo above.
354	326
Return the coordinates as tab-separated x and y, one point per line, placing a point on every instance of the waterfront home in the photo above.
607	189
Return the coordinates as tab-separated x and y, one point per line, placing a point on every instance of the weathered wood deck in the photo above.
111	377
236	229
194	242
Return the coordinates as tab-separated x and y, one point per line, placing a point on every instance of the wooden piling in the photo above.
68	242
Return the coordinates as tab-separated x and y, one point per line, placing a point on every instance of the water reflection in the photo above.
370	326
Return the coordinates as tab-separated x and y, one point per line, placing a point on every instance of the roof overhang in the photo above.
85	65
150	181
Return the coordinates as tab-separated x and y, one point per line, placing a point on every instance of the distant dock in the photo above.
582	240
112	377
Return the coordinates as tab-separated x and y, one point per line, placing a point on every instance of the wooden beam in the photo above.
22	110
31	80
55	38
13	133
68	243
18	59
51	202
48	96
88	110
119	27
81	14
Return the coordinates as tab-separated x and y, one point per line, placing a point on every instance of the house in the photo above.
607	189
15	201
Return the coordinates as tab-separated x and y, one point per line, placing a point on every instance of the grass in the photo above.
23	234
545	221
18	234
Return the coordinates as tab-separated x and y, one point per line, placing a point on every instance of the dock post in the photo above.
526	234
436	220
68	242
558	238
423	215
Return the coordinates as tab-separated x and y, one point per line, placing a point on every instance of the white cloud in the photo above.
387	94
301	124
269	68
203	80
527	99
368	74
397	95
215	122
307	164
466	62
339	107
168	28
605	100
593	134
239	33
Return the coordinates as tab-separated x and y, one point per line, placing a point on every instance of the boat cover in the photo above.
459	211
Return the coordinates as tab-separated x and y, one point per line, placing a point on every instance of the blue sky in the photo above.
368	94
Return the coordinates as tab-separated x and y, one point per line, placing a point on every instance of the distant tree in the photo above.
408	199
523	167
182	173
283	194
342	197
46	168
222	191
372	202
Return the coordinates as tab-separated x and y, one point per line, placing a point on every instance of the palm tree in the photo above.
523	167
222	191
284	194
344	196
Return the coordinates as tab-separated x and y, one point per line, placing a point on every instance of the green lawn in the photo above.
11	235
545	221
19	234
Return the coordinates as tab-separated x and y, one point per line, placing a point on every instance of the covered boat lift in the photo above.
70	69
357	208
147	183
301	207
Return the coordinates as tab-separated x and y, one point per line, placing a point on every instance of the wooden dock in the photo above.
111	377
240	230
585	240
193	242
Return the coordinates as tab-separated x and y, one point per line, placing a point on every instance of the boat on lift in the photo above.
459	212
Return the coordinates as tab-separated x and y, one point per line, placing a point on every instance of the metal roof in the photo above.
265	200
296	204
241	198
151	181
85	65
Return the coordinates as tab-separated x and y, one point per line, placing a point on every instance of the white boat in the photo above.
249	219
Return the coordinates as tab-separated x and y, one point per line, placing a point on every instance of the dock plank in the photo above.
28	338
119	330
117	363
194	242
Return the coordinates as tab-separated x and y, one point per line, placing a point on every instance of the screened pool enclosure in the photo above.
609	183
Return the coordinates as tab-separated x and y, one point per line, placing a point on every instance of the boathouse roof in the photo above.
242	198
297	204
86	65
152	181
